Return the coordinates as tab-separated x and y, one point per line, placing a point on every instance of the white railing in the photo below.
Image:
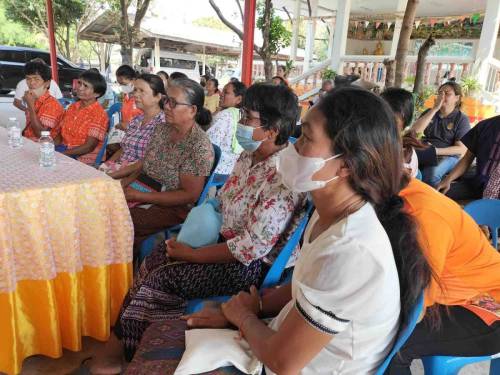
308	83
372	68
493	78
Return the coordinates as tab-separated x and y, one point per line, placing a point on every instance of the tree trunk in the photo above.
390	72
422	55
404	40
266	30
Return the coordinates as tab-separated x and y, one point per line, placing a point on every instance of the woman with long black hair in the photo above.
361	268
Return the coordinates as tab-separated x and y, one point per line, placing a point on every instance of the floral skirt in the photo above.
163	287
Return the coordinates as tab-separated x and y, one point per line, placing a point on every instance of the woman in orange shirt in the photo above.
85	123
125	76
463	298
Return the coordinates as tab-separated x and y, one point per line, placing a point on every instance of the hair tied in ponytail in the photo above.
391	207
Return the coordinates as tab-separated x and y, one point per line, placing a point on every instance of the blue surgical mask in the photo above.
244	136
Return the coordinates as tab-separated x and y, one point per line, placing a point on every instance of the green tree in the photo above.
274	33
68	14
16	34
129	29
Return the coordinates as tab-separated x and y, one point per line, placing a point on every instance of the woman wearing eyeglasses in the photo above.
258	216
177	162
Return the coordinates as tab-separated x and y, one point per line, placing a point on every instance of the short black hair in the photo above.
215	81
281	79
177	75
401	102
38	67
162	72
277	106
126	71
239	89
96	80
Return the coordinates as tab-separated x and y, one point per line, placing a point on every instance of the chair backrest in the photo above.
274	274
486	212
210	181
65	102
115	108
405	332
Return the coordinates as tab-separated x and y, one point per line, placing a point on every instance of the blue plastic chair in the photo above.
274	274
65	102
486	212
115	108
148	244
419	175
405	332
448	365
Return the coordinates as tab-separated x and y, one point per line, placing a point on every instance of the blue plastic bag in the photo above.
202	225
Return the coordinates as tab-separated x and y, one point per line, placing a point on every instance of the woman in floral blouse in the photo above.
222	132
259	214
178	159
148	93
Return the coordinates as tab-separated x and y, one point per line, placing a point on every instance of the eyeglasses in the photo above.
245	115
173	103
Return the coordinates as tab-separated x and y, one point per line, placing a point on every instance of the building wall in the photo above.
355	46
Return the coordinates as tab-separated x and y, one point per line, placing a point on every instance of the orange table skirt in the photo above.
45	316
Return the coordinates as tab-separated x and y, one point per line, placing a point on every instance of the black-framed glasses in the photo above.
173	103
245	115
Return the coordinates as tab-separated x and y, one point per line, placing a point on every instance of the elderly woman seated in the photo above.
85	123
148	93
176	164
258	215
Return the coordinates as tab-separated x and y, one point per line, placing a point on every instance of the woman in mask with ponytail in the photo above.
360	270
258	212
126	76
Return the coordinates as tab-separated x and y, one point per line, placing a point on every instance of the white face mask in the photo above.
296	170
127	89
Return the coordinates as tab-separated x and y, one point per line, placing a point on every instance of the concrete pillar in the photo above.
157	55
332	34
295	31
341	31
488	39
310	34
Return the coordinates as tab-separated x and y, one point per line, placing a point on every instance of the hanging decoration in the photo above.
377	24
366	24
432	22
355	24
417	23
389	24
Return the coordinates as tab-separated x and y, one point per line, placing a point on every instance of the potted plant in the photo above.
470	85
328	74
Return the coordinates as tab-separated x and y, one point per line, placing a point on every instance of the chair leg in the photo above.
495	366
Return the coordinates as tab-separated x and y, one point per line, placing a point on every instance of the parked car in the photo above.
12	60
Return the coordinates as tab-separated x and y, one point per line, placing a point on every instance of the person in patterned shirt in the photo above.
43	112
259	214
85	123
148	92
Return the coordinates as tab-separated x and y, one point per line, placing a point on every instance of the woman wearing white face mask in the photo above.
126	76
43	112
342	310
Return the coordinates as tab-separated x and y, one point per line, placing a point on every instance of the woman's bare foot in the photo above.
109	360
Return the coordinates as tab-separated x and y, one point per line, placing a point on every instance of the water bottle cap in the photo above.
45	133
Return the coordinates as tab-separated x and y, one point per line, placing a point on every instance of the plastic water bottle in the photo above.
47	150
15	138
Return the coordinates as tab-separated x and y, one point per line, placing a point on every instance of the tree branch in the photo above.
288	14
241	10
228	23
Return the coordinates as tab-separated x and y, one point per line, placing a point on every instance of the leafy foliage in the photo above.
279	36
328	74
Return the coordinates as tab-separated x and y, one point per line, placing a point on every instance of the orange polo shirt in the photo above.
129	110
79	123
462	258
49	112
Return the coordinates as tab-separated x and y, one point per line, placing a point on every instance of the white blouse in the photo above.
345	283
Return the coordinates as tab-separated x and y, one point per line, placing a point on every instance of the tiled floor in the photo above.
39	365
